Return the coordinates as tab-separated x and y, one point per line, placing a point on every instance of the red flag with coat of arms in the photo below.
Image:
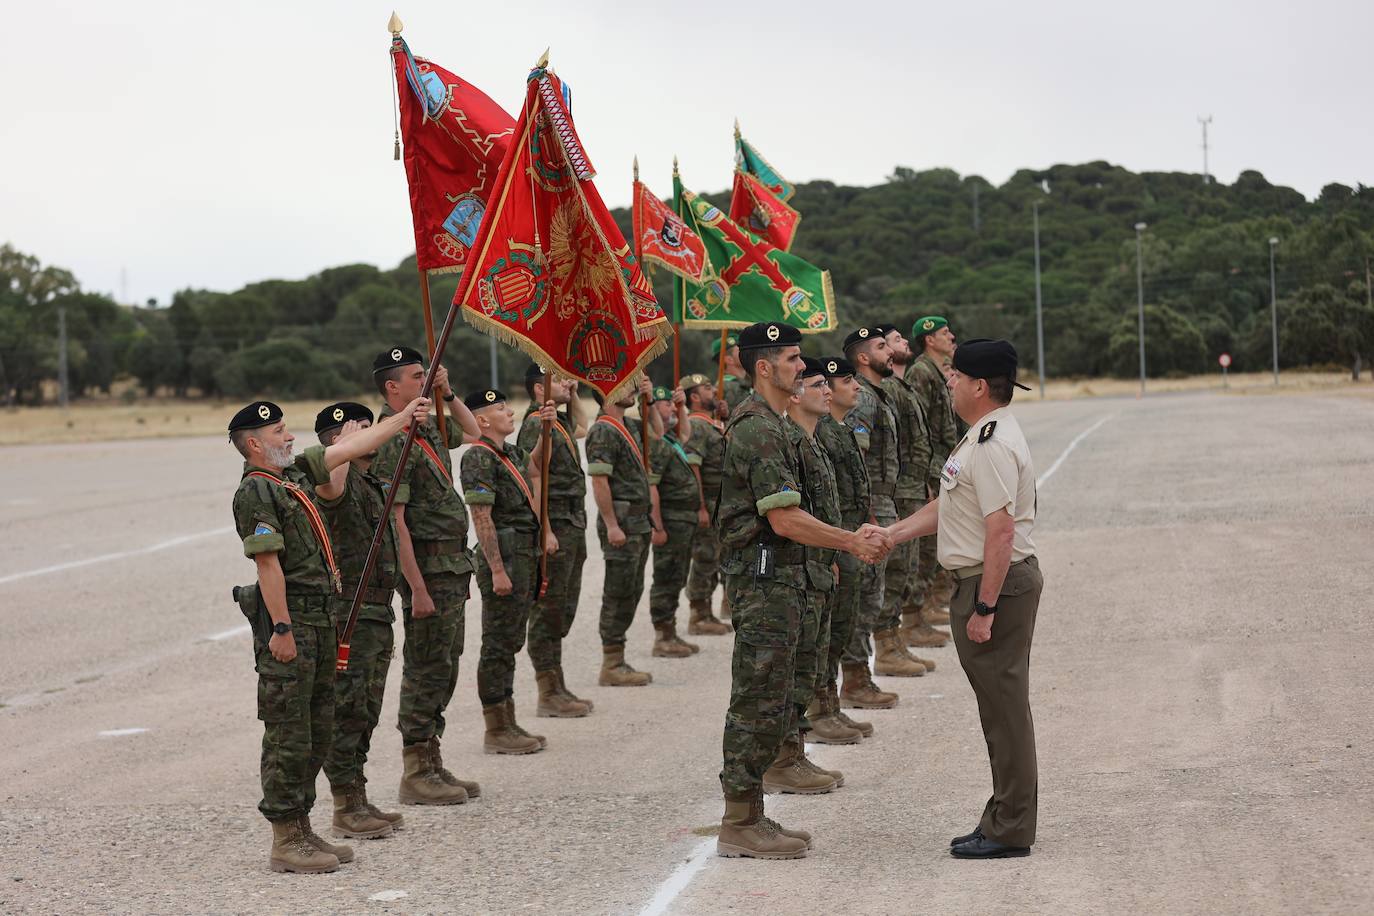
550	272
455	139
664	238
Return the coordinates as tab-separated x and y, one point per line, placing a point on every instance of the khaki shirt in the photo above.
980	478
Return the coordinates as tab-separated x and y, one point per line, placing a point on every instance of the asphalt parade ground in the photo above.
1201	682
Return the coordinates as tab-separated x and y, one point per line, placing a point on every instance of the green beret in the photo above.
660	394
730	341
928	325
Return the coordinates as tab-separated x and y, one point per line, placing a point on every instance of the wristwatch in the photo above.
983	610
281	629
450	396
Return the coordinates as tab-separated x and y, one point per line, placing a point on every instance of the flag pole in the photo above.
643	401
429	342
546	445
720	364
374	549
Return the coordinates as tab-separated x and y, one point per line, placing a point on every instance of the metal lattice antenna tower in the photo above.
1206	168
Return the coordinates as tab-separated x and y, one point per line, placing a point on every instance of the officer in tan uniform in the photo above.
982	521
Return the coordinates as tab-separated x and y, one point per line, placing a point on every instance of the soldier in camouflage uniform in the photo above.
674	477
504	516
934	343
765	532
874	423
851	481
904	585
821	497
620	485
352	520
298	581
737	385
436	569
708	444
552	616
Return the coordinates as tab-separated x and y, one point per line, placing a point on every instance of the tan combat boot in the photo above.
790	776
421	784
616	673
859	692
826	728
395	819
889	660
666	643
510	710
436	763
744	832
927	663
917	633
935	616
833	698
501	737
802	835
814	767
352	819
568	694
703	622
343	853
552	702
292	851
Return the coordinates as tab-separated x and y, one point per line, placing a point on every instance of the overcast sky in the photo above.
210	145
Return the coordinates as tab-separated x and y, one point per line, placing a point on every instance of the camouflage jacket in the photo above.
433	509
875	429
821	498
913	438
672	471
708	443
851	477
270	520
735	391
761	472
352	520
609	455
928	382
567	482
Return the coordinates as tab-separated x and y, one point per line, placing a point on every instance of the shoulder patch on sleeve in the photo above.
264	528
986	432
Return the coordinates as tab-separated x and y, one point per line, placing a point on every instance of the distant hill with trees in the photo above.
922	242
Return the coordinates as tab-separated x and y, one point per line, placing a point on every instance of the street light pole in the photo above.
1140	301
62	355
1274	307
1039	304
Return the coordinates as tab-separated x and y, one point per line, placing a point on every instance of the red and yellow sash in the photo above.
620	427
514	472
433	457
316	524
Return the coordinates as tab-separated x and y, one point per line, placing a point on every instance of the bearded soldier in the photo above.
708	444
292	608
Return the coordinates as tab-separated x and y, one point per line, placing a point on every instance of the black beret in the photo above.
339	414
837	367
886	328
255	416
811	366
769	334
534	372
986	358
397	356
484	397
862	335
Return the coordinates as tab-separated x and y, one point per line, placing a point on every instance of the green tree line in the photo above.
922	242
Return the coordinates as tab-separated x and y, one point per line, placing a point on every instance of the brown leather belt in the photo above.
438	548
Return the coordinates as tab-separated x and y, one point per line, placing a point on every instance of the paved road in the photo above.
1201	689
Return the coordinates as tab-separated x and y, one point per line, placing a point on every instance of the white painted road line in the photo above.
1040	481
680	878
229	634
118	555
121	732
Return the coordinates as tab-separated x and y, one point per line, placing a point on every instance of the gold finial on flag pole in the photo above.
675	175
736	128
636	168
394	25
543	62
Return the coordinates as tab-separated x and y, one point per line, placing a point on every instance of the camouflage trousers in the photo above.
872	614
705	573
903	573
624	584
551	618
672	562
772	673
924	583
844	607
296	706
429	658
358	701
813	650
505	617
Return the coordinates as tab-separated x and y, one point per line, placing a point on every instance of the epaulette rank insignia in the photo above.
985	433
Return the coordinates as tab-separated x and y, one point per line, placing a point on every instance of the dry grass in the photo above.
99	420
